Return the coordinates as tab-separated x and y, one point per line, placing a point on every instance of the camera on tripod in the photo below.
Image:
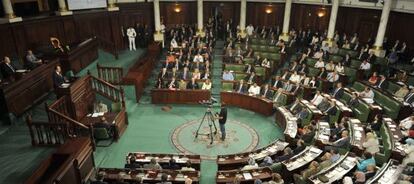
208	103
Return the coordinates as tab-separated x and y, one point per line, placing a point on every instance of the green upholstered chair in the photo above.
255	41
227	86
335	58
276	167
263	48
254	47
311	62
260	71
263	42
384	155
351	53
265	55
351	73
410	80
355	63
234	67
298	179
334	118
362	111
274	56
101	134
313	71
392	87
239	76
248	60
273	49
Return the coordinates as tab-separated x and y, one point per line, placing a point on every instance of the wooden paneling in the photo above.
306	17
228	10
188	14
400	26
256	14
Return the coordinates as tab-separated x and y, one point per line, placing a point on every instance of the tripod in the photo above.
209	117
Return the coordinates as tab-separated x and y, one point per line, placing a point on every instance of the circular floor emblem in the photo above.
239	138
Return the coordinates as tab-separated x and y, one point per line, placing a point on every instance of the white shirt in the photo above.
318	55
369	95
295	78
198	58
319	64
339	69
131	33
174	43
332	78
317	99
365	66
249	30
406	123
254	90
206	86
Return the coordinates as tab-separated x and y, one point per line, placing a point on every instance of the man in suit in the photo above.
322	74
249	69
354	101
382	83
185	74
257	61
57	77
266	92
303	113
164	179
338	91
172	84
241	87
7	70
331	111
99	179
409	98
193	84
31	60
277	82
288	87
343	142
250	79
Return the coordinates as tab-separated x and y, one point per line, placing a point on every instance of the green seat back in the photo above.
100	133
336	58
393	87
358	86
274	56
255	41
273	49
227	86
263	48
234	67
248	60
383	156
362	111
260	71
351	73
254	47
239	76
265	55
311	62
355	63
313	71
276	167
116	107
263	42
410	80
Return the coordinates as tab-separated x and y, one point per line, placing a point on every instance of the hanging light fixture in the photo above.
269	8
321	12
177	8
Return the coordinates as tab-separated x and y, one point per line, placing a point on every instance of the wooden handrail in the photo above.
69	119
113	75
116	94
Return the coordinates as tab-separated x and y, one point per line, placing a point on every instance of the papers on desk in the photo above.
247	176
21	71
65	85
368	100
97	114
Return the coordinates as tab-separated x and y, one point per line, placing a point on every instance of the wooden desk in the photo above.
316	113
309	154
255	104
357	135
388	174
166	96
323	134
398	149
235	161
163	158
73	163
149	176
80	56
288	122
111	117
18	96
335	172
225	177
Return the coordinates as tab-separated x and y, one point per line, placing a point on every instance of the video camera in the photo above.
208	102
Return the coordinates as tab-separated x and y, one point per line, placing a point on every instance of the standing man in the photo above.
222	121
131	38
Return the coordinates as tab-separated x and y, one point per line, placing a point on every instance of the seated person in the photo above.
172	84
308	134
322	73
182	84
266	92
267	161
251	164
160	83
32	60
100	107
104	124
294	67
312	82
319	64
311	170
276	179
317	99
250	79
376	124
241	87
354	101
362	164
164	179
153	165
335	156
371	143
365	66
227	75
57	77
257	61
342	142
99	179
206	85
300	146
295	78
339	68
287	153
373	79
303	69
330	67
6	68
381	83
331	110
367	95
265	63
302	114
187	167
172	165
332	77
277	82
193	84
185	74
326	160
196	74
254	90
248	69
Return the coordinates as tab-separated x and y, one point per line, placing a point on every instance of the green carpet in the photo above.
149	130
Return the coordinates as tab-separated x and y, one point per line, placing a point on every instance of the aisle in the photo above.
217	70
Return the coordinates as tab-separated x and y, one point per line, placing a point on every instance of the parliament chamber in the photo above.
206	91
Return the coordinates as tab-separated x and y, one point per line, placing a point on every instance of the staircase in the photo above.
217	70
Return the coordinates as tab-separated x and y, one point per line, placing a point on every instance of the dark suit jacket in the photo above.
191	86
308	138
331	111
322	74
338	94
342	142
57	80
251	69
383	85
278	85
6	71
268	94
243	88
246	79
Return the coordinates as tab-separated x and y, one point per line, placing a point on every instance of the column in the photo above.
200	30
63	10
9	13
112	6
286	21
332	22
158	36
242	25
377	49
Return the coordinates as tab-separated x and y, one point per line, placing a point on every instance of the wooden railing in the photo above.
108	90
112	75
108	46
